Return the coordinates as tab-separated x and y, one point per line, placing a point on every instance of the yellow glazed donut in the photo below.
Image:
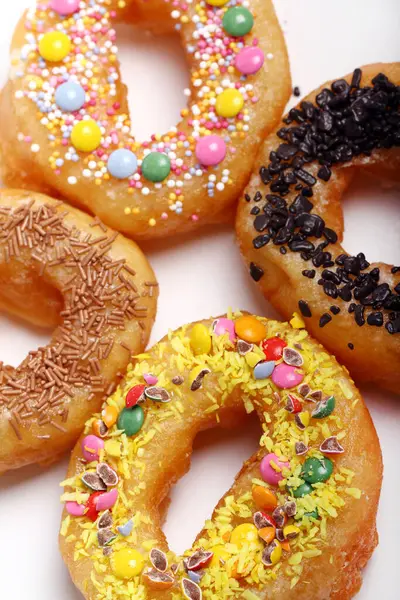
290	220
299	521
61	268
65	125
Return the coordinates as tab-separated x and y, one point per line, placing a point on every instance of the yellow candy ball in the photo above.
127	563
220	554
217	2
86	136
200	339
54	46
246	533
229	103
250	329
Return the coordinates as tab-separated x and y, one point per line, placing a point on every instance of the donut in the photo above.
65	124
61	269
290	220
299	520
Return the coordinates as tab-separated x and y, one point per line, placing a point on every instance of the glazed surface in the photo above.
168	186
61	268
290	220
208	375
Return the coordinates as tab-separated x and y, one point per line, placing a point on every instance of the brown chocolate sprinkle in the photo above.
97	300
159	560
344	121
300	448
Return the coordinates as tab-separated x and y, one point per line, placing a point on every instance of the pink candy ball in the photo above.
91	446
74	509
285	377
106	500
268	473
64	7
210	150
150	379
249	60
222	326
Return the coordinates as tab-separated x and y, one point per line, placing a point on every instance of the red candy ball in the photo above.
91	510
133	396
273	348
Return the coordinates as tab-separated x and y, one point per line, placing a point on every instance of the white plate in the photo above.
203	275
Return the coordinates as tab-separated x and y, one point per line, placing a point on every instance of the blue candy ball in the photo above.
122	164
264	369
70	96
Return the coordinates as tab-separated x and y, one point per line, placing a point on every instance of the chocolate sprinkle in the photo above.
346	121
99	297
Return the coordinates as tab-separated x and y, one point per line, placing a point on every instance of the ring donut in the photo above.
290	220
61	268
299	521
65	125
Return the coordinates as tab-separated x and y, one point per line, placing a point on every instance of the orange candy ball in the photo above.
250	329
264	498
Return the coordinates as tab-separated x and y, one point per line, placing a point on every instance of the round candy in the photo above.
126	563
54	46
285	376
244	534
222	326
217	2
107	500
134	395
324	408
249	60
250	329
131	420
316	470
91	446
64	7
86	136
74	509
269	466
122	163
229	103
264	369
156	167
238	21
219	554
273	348
70	96
109	414
303	490
200	339
150	379
264	498
210	150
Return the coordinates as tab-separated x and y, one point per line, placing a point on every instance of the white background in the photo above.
201	276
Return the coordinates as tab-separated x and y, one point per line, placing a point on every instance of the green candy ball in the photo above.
303	490
316	470
156	167
131	420
238	21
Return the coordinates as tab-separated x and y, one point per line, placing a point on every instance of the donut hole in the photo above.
218	456
17	339
372	219
155	71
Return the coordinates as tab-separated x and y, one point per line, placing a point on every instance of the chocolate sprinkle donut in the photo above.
345	122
